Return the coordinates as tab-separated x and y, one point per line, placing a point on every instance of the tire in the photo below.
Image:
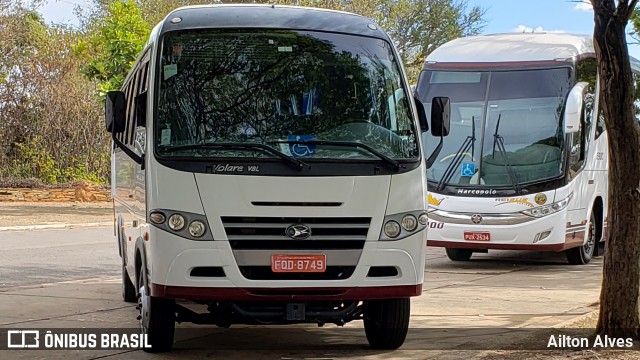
129	293
386	322
459	254
157	318
582	255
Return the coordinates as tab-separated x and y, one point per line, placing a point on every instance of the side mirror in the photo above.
114	111
573	108
440	116
141	109
422	115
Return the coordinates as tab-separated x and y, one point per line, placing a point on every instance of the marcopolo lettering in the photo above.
477	191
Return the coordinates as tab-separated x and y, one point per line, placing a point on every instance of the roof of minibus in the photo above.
269	17
514	47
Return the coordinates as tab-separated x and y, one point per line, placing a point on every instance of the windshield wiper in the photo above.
469	142
498	141
298	164
393	163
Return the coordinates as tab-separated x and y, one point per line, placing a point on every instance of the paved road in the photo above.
70	278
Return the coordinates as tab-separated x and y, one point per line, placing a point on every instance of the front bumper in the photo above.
171	260
520	236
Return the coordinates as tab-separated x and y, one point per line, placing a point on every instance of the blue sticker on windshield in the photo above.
468	169
301	150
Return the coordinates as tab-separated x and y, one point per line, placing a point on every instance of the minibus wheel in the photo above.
157	318
459	254
386	322
582	255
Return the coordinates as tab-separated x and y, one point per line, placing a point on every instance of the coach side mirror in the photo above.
440	116
114	111
573	109
422	115
440	122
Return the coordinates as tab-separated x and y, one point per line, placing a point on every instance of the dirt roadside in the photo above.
54	213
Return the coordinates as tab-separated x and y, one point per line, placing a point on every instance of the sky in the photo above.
571	16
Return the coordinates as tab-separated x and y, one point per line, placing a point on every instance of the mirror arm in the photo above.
435	153
132	154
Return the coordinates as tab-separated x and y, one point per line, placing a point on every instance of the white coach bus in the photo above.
267	164
525	164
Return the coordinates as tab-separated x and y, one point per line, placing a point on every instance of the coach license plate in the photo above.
315	263
477	236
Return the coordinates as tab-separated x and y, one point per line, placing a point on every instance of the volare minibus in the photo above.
524	165
267	164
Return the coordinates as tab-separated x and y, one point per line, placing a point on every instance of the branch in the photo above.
625	9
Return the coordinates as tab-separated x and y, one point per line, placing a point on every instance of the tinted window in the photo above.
270	87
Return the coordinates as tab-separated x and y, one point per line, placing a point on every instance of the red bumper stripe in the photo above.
494	246
256	294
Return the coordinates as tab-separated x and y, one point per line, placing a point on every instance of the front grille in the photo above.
265	273
269	233
264	233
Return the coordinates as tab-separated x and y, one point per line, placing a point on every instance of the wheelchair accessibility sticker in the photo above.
301	150
468	169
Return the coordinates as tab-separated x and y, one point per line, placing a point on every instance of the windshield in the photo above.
281	89
517	118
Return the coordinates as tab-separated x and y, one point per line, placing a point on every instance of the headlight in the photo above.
197	229
392	229
157	217
423	219
187	225
543	211
409	222
401	225
176	222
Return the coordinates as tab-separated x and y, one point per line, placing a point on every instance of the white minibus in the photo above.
267	164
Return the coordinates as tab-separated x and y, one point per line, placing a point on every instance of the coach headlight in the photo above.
402	225
197	228
409	222
184	224
392	229
542	211
176	222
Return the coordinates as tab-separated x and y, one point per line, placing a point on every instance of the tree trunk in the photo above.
619	297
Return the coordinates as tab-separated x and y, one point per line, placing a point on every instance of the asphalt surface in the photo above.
71	278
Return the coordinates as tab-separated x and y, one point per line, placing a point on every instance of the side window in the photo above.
131	108
576	157
127	88
600	126
135	85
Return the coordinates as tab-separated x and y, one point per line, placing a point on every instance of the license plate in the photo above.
477	236
315	263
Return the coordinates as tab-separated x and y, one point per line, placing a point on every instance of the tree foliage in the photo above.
50	122
113	44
